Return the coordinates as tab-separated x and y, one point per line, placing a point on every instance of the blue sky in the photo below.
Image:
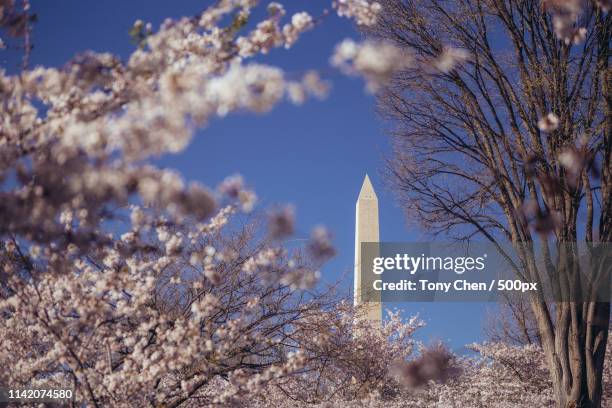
314	156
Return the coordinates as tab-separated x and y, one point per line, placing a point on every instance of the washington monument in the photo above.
366	230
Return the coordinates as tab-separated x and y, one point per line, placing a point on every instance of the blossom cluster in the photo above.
364	12
157	314
499	376
566	16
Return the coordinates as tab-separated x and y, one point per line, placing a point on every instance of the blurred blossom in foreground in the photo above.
434	364
548	123
450	58
377	62
566	15
281	223
320	246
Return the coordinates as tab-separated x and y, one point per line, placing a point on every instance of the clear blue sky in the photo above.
313	157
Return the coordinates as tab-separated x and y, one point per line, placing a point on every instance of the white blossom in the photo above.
548	123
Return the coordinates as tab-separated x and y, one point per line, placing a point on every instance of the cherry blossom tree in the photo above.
498	376
119	278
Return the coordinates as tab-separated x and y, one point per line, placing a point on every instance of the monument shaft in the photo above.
366	230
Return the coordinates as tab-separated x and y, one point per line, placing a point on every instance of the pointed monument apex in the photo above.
367	190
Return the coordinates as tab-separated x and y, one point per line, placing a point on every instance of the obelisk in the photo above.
366	230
